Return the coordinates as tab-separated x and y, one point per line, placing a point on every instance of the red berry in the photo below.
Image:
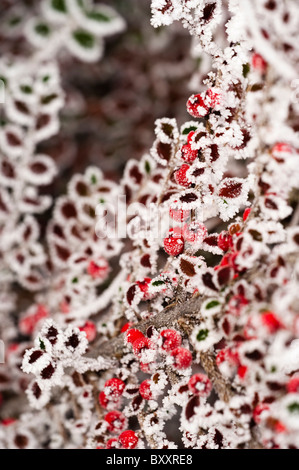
258	410
189	137
116	420
133	334
98	269
128	439
180	175
8	421
173	245
139	345
281	147
90	330
125	327
145	390
227	355
246	213
171	339
196	106
259	63
145	367
188	154
270	320
293	384
115	387
224	240
182	358
242	371
200	384
194	232
103	400
143	286
112	443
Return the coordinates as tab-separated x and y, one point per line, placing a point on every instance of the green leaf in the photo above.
202	335
74	280
98	16
84	38
42	344
294	407
246	69
212	304
14	21
93	179
147	167
26	89
189	129
48	99
59	5
42	29
158	283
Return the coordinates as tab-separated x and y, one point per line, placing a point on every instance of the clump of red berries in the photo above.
116	420
113	390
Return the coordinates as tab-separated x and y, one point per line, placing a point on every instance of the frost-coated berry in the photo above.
188	154
173	245
139	345
293	384
133	334
224	240
128	439
171	339
180	175
116	387
145	390
112	443
194	232
182	358
200	384
179	215
116	420
196	106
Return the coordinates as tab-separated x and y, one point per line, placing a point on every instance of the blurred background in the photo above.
112	105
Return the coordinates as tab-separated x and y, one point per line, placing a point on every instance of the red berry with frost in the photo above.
128	439
133	334
180	176
189	137
112	443
116	420
90	330
140	345
145	390
194	232
98	269
173	245
182	358
196	106
200	384
125	327
171	339
293	384
146	368
143	286
188	154
8	421
224	241
115	387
